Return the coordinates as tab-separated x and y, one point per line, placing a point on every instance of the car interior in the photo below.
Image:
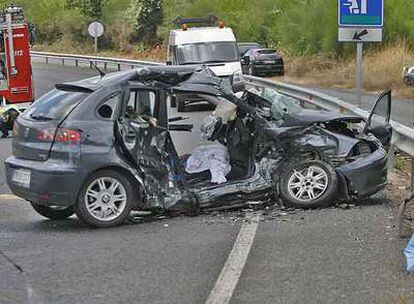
231	128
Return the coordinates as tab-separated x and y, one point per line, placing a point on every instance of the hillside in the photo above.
305	31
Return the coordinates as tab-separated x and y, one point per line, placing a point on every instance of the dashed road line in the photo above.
230	274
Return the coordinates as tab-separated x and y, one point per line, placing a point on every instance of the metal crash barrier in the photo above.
403	136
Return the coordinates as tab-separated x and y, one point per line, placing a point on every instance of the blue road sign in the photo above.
361	13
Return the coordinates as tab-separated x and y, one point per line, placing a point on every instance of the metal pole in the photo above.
96	44
358	74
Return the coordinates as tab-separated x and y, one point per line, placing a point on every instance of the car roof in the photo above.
264	49
164	74
247	43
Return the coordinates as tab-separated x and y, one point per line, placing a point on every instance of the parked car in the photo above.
102	147
408	76
263	62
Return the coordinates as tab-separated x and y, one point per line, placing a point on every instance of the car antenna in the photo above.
101	73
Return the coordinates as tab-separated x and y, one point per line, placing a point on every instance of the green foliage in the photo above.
147	15
299	26
90	9
296	26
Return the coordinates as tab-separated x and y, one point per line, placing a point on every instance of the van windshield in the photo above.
207	52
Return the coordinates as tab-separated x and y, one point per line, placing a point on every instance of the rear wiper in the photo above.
40	117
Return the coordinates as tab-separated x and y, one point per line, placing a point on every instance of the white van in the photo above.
212	46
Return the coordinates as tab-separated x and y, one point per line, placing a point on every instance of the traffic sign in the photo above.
360	21
95	29
356	34
364	13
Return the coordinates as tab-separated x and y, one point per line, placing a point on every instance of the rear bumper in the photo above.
268	68
365	176
52	182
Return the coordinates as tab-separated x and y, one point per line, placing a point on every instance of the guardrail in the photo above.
403	136
90	60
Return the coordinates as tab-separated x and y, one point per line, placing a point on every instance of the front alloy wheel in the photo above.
309	184
105	199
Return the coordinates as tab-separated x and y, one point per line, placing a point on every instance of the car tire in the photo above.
105	200
308	184
180	104
57	213
173	102
250	70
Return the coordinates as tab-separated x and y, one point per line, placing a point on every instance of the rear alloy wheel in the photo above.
309	184
54	212
105	200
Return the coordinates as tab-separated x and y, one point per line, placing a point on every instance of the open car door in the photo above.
143	130
379	119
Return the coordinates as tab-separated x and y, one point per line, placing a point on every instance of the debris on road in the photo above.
409	254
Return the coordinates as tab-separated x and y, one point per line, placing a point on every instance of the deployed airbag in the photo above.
210	157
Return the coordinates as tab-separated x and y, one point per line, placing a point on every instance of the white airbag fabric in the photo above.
210	157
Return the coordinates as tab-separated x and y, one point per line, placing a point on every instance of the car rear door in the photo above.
143	131
379	119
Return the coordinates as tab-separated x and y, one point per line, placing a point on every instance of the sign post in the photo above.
360	21
96	30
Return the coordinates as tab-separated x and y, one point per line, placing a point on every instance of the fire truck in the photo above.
16	84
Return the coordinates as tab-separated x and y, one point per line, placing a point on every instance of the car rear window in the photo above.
266	52
54	105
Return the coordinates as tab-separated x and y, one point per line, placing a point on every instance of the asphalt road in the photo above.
319	256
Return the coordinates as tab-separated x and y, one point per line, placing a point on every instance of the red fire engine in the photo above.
16	86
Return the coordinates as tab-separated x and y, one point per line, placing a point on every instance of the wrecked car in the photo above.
103	146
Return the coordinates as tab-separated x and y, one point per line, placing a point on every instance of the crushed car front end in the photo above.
363	172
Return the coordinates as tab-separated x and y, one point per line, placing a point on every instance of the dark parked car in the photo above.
102	147
263	62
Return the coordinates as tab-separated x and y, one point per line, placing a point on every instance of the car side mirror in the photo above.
246	59
168	62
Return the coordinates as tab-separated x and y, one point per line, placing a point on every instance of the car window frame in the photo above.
138	87
116	110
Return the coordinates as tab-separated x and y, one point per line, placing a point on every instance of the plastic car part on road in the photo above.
409	254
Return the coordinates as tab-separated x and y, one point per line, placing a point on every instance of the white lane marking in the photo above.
230	274
9	197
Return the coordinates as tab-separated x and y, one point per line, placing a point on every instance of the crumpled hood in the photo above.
310	117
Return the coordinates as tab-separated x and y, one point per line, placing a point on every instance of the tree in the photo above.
147	16
90	9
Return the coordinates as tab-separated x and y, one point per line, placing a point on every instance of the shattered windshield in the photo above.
281	105
209	52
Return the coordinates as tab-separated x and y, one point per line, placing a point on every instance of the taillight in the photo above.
67	136
62	135
47	135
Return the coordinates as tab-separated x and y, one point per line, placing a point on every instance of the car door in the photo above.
143	129
379	119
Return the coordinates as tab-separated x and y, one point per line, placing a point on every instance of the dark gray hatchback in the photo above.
102	147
